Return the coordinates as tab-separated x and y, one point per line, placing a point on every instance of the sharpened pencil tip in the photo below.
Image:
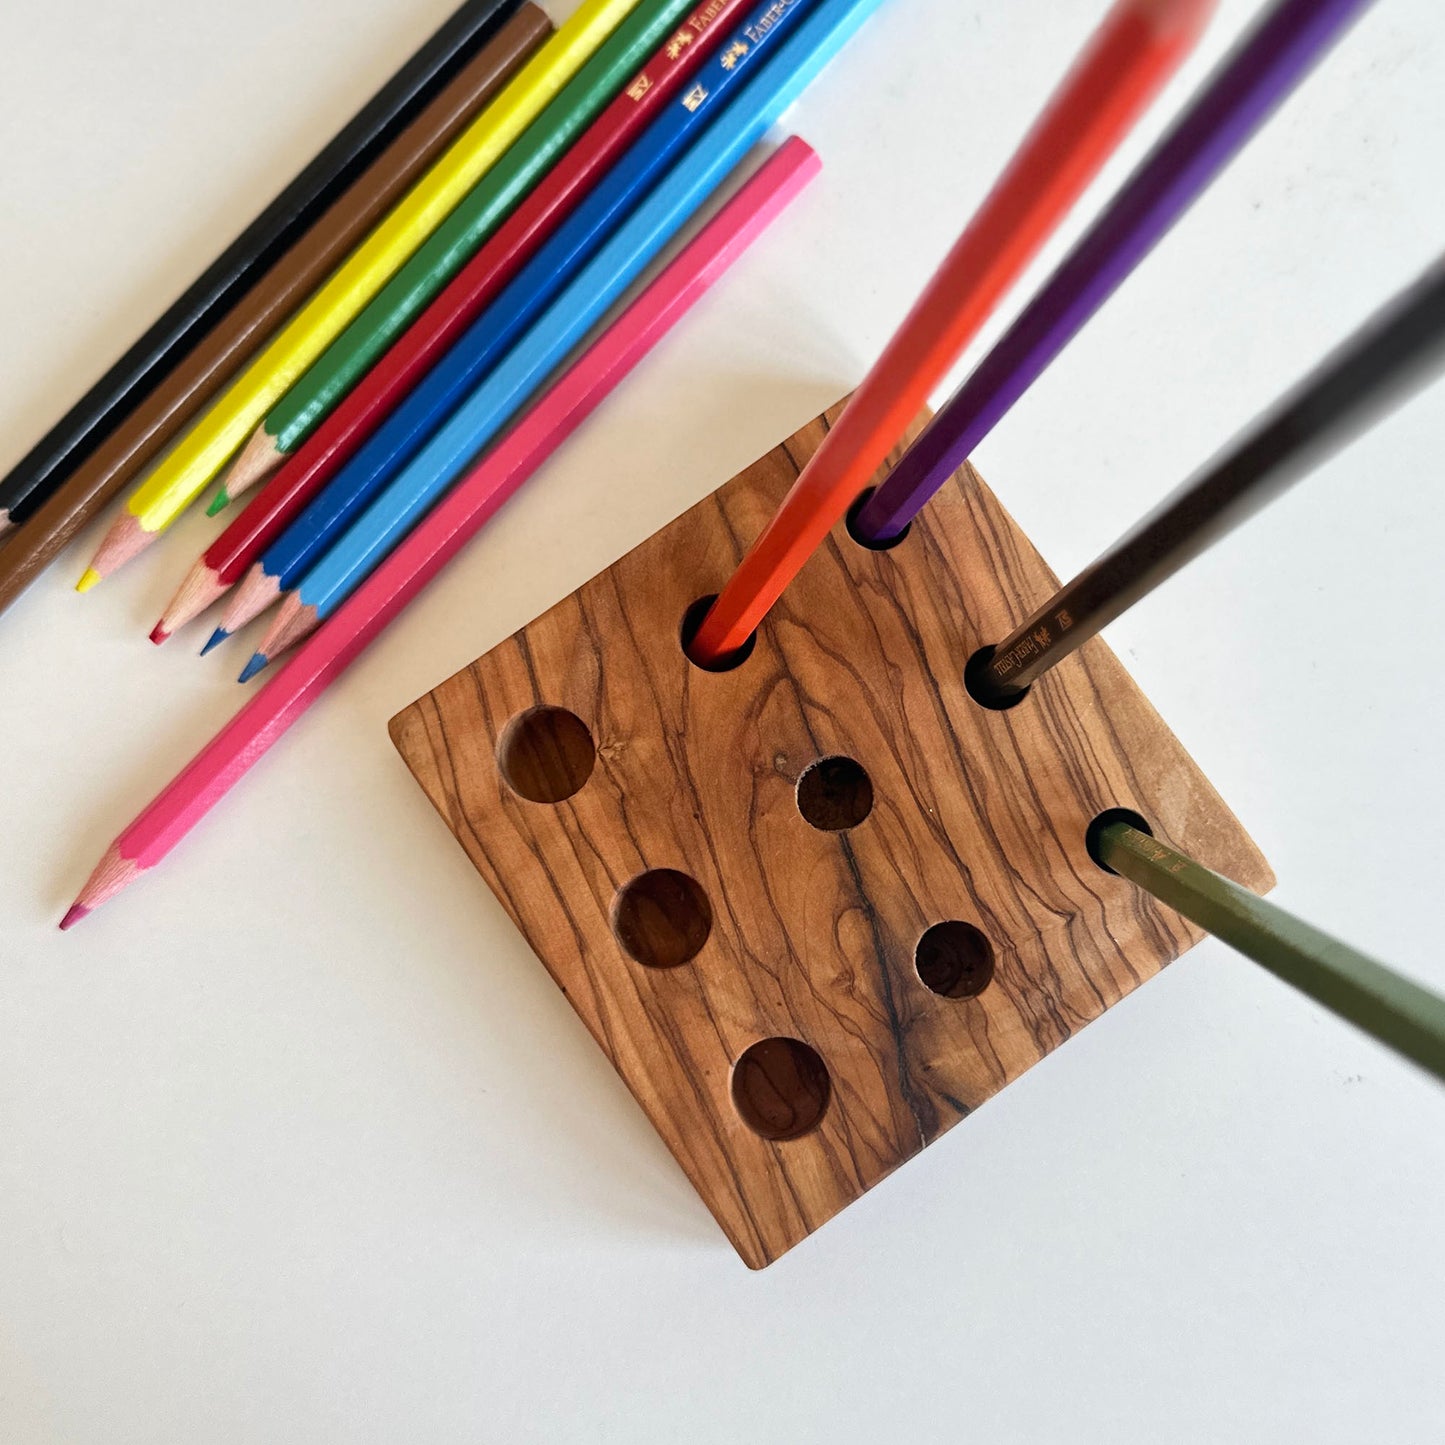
216	639
73	916
257	662
159	634
219	503
88	580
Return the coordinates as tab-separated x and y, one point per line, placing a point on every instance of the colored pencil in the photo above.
297	414
444	321
199	375
1396	351
1384	1004
1234	103
249	256
209	443
1126	61
275	707
474	424
487	341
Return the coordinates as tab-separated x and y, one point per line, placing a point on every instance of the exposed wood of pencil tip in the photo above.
257	460
295	622
111	875
256	591
201	588
125	540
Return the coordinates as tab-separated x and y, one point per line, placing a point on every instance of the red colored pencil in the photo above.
1127	60
440	325
226	759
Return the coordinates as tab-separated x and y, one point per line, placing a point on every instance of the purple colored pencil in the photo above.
1236	100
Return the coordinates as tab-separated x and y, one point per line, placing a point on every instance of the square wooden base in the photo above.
780	997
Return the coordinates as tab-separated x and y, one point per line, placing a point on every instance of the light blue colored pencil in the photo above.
507	389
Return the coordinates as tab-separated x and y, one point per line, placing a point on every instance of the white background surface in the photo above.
298	1141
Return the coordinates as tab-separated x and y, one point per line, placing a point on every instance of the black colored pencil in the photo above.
222	284
1394	352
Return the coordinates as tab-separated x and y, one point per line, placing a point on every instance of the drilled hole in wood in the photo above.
546	754
692	620
662	918
835	793
981	687
781	1088
954	959
885	544
1112	815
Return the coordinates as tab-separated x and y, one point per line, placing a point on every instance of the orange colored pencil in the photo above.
1127	60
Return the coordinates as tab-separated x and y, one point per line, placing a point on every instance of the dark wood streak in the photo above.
977	816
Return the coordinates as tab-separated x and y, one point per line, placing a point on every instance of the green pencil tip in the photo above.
219	503
257	662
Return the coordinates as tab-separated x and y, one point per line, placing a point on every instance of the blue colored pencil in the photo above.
722	146
488	339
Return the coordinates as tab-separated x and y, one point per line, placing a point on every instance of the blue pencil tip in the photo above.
217	638
257	662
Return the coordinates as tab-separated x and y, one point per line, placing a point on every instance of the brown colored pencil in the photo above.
177	399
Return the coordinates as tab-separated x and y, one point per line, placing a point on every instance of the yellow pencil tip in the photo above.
88	581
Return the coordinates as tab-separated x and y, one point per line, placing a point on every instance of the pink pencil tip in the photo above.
159	633
76	913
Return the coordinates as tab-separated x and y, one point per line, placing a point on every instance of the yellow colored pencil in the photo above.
210	443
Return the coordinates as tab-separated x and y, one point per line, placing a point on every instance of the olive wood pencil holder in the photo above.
818	907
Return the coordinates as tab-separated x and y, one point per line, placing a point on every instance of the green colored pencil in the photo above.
451	246
1388	1007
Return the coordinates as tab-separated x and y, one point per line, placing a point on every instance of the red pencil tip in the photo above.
159	633
76	913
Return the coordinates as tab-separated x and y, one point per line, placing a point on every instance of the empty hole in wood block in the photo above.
781	1088
692	620
954	959
887	544
1111	815
835	793
546	754
662	918
975	680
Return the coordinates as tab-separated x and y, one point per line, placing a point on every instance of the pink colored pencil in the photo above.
216	769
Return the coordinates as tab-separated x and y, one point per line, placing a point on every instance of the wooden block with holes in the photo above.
820	906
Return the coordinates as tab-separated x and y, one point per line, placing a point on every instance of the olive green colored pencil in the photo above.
1387	1006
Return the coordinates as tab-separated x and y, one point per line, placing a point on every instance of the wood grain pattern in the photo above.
977	818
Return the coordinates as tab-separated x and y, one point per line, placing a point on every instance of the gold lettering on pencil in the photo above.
701	19
734	53
1064	618
694	97
768	19
678	44
639	87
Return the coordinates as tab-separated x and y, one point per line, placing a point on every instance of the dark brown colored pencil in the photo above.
1397	350
196	379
